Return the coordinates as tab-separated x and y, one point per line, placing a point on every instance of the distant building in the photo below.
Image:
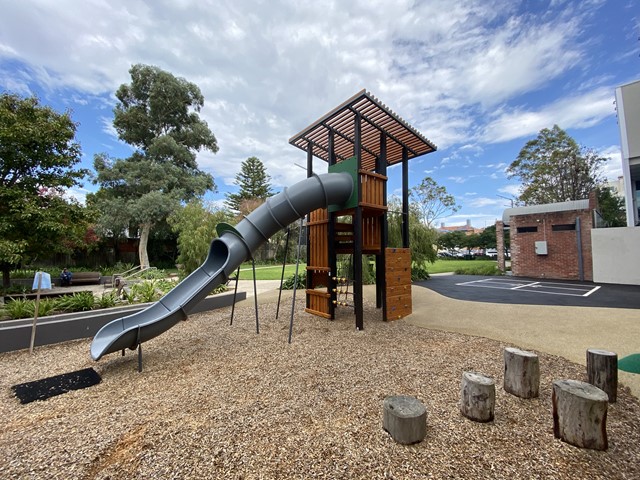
467	228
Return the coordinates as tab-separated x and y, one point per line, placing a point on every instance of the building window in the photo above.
563	227
527	229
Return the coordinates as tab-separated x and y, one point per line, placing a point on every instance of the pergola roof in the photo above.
376	119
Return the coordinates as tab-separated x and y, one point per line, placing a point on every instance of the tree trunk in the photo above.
145	229
6	276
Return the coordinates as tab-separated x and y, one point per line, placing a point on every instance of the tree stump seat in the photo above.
521	373
405	418
477	397
580	414
602	371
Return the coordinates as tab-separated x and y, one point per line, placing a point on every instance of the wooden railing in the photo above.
372	186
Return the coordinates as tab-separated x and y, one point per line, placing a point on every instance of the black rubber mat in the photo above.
52	386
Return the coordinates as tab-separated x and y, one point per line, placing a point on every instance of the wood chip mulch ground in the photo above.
219	401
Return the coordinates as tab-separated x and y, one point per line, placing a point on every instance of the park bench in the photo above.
85	278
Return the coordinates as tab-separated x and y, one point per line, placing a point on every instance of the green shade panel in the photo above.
350	166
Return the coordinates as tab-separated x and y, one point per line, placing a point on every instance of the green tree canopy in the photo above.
421	237
255	187
452	240
157	114
196	227
38	159
554	168
432	201
487	238
611	207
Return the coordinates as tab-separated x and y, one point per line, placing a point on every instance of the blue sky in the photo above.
479	78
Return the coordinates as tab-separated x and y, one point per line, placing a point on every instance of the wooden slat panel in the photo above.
318	303
317	313
398	281
398	306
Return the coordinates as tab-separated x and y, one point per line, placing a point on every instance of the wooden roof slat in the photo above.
376	117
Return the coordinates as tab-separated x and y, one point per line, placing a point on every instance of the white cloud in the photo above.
612	168
512	190
481	202
457	179
457	71
579	111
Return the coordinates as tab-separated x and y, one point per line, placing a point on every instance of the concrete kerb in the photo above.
16	334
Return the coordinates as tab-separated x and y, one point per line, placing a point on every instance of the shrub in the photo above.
107	300
419	273
153	274
219	289
46	307
20	289
78	302
20	308
142	292
301	279
479	270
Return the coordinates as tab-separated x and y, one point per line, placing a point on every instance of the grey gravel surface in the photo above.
220	401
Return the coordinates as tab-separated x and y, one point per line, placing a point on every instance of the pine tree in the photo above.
255	187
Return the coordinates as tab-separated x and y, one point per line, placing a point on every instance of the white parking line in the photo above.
526	285
594	289
567	289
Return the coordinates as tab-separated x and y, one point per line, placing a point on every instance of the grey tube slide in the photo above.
225	255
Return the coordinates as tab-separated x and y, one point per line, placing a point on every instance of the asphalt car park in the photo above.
529	291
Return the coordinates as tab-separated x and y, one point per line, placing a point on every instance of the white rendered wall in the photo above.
616	255
628	107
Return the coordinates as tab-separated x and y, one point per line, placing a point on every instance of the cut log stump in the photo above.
602	371
580	414
477	397
405	418
521	373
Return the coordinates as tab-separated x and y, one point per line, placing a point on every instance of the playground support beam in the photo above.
357	229
309	278
381	286
405	198
333	262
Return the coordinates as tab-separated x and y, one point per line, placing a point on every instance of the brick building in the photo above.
551	240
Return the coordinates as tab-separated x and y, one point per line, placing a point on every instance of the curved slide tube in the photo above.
225	255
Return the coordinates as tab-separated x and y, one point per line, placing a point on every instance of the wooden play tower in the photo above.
362	137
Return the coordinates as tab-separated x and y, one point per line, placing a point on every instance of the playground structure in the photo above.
362	137
359	139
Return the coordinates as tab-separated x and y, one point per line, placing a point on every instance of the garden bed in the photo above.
16	334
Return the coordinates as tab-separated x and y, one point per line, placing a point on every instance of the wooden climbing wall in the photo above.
398	279
318	267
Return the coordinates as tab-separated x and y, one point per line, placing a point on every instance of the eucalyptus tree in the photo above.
158	114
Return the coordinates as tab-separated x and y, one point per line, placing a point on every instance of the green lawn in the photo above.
444	266
269	272
273	272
